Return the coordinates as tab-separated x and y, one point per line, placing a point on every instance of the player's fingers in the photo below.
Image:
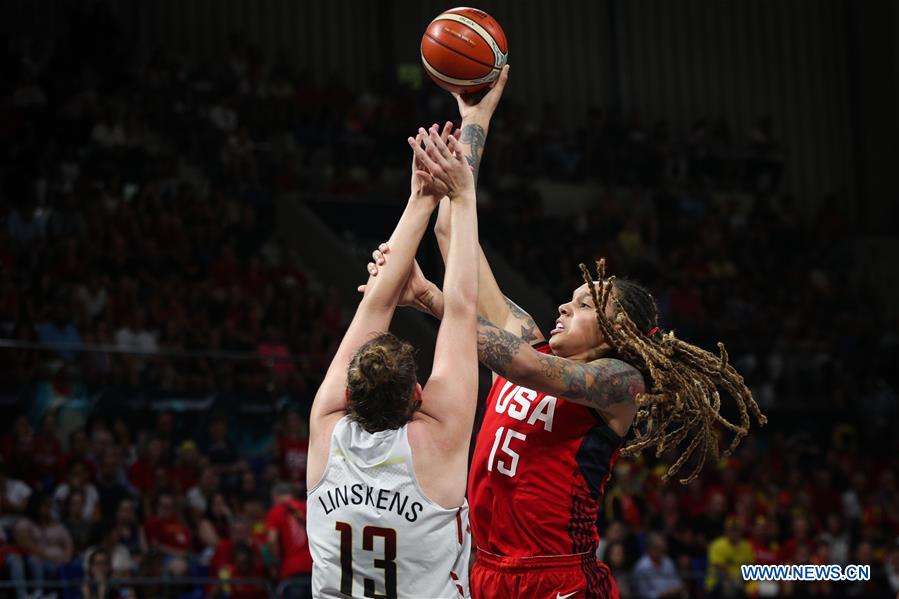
384	248
455	148
378	257
361	288
457	134
447	130
425	175
423	159
433	152
372	269
496	90
439	144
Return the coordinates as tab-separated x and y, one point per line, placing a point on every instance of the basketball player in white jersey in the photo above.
388	459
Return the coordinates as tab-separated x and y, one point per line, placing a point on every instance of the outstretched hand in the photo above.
445	171
421	186
482	110
415	287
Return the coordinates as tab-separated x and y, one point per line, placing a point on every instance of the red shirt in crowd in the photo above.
288	518
169	532
293	454
141	475
241	590
184	477
222	567
224	554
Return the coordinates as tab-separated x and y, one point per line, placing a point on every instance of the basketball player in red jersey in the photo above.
559	410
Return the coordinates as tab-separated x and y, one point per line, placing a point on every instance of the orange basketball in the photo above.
463	50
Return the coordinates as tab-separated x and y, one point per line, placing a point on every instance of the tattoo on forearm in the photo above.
528	326
496	347
474	136
605	382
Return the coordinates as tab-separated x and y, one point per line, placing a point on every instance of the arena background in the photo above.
191	189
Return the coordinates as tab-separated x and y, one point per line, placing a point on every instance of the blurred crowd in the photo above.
162	503
138	213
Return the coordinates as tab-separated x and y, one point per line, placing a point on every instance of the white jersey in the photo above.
373	532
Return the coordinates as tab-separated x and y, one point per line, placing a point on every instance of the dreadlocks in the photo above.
684	401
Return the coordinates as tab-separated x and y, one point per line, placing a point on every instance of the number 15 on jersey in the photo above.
505	465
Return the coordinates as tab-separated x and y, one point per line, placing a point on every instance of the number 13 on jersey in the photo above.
503	465
387	563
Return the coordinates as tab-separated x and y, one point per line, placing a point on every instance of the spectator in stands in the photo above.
765	551
224	460
79	448
47	450
655	574
837	538
96	584
288	544
213	524
18	451
891	566
188	467
143	471
275	355
111	484
293	447
726	554
77	481
131	534
44	543
253	511
72	517
249	487
199	497
14	496
167	533
616	559
109	539
801	537
238	532
244	565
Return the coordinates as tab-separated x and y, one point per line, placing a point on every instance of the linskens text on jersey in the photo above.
380	499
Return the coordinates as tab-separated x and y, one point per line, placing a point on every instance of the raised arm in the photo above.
375	311
608	385
492	303
450	395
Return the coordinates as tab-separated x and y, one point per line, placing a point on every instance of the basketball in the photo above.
463	50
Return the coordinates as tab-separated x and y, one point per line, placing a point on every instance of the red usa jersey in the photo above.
538	472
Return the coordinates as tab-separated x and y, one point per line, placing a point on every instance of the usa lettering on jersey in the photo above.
380	499
518	403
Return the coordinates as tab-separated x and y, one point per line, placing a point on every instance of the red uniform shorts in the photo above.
579	576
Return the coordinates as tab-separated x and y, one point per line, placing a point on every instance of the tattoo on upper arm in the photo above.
528	326
496	347
605	382
474	136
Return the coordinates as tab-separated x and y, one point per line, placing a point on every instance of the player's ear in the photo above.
416	392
